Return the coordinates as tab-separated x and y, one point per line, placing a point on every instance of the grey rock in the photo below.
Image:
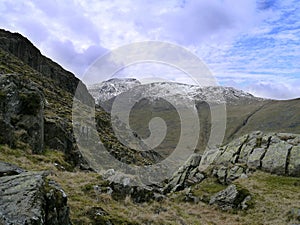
7	169
186	175
294	162
208	158
234	173
254	160
244	203
230	198
27	198
232	151
221	174
122	185
271	152
21	113
194	177
225	199
276	158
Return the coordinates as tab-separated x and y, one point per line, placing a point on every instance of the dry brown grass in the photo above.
274	196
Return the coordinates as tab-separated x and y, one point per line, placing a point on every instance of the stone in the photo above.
221	174
232	151
225	199
234	173
21	113
208	158
294	162
194	177
244	203
185	175
7	169
231	198
28	198
275	158
254	159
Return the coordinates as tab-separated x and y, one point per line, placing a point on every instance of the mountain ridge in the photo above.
106	90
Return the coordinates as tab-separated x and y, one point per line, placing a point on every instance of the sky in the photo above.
253	45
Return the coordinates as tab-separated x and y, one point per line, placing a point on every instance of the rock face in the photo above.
23	49
28	198
36	99
276	153
186	175
21	113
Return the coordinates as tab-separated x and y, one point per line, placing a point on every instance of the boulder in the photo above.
123	185
230	198
275	159
254	159
294	162
28	198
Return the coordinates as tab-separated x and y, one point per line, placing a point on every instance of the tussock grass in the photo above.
273	197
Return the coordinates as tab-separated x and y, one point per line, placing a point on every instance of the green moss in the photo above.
31	103
242	194
207	188
2	96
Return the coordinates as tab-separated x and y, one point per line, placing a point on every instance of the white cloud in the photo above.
243	42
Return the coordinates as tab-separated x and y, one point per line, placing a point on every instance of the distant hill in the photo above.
245	112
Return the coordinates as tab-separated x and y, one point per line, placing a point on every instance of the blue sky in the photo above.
252	45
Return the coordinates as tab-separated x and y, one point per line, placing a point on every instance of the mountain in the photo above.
46	178
24	50
245	112
29	79
109	89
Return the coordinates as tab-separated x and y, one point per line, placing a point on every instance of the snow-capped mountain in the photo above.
111	88
106	90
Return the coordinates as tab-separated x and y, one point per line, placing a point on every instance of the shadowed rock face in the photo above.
21	113
23	49
28	198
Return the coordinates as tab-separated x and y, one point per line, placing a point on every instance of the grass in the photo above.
273	197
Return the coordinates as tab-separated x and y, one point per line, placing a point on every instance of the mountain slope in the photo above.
52	88
24	50
245	112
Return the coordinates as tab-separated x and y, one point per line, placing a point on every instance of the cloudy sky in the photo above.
253	45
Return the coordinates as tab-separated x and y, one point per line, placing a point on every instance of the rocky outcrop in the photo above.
231	198
122	185
277	153
21	113
28	198
186	175
23	49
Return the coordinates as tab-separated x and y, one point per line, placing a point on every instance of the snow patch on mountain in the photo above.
181	92
111	88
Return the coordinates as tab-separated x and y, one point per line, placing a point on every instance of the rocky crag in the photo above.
29	198
36	100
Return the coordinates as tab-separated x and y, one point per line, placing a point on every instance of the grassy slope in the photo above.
242	118
273	196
